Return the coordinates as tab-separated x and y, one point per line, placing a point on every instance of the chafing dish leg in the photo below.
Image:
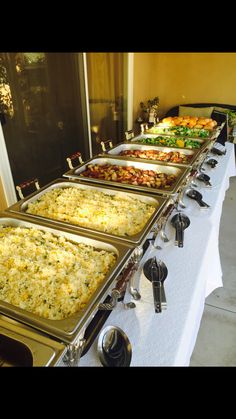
194	184
163	233
73	353
138	254
135	293
129	305
115	294
180	201
121	285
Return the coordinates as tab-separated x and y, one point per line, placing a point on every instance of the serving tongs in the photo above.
156	272
180	222
197	196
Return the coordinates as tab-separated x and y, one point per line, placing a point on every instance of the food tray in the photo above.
167	131
203	143
180	171
67	329
192	153
136	239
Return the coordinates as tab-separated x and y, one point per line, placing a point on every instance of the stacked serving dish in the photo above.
157	202
159	154
67	330
138	169
128	180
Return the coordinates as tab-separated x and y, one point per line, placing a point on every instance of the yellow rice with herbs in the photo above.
115	214
49	275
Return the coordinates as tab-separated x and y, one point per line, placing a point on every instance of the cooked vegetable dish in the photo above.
131	175
49	275
116	214
172	156
170	142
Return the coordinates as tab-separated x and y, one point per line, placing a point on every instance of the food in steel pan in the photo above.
49	275
190	122
131	175
115	214
171	156
180	130
170	142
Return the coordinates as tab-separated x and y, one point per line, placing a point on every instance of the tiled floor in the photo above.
216	341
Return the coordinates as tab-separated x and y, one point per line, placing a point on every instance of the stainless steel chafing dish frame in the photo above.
159	203
115	150
71	329
141	164
212	134
202	141
36	349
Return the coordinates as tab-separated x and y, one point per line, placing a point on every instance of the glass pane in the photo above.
107	85
43	113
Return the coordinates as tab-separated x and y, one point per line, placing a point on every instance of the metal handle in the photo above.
163	220
179	234
26	184
74	352
138	253
103	144
203	204
119	289
156	286
123	281
73	157
168	209
143	127
129	134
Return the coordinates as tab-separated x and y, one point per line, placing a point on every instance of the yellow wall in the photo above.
3	202
184	78
144	67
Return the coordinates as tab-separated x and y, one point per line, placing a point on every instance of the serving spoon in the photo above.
204	178
212	163
156	272
180	222
197	196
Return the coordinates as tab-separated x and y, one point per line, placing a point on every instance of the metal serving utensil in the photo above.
180	222
156	272
204	178
197	196
218	151
114	347
212	163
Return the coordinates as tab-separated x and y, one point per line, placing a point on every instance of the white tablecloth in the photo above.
194	271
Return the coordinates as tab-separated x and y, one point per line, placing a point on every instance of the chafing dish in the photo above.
157	202
21	346
192	154
69	330
165	130
180	171
203	142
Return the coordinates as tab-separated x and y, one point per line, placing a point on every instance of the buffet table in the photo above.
194	271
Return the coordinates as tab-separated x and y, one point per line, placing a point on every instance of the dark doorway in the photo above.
45	122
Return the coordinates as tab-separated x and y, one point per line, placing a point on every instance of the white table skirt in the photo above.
194	271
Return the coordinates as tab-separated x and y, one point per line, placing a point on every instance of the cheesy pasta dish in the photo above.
115	214
49	275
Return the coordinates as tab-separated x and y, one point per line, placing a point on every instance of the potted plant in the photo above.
149	111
